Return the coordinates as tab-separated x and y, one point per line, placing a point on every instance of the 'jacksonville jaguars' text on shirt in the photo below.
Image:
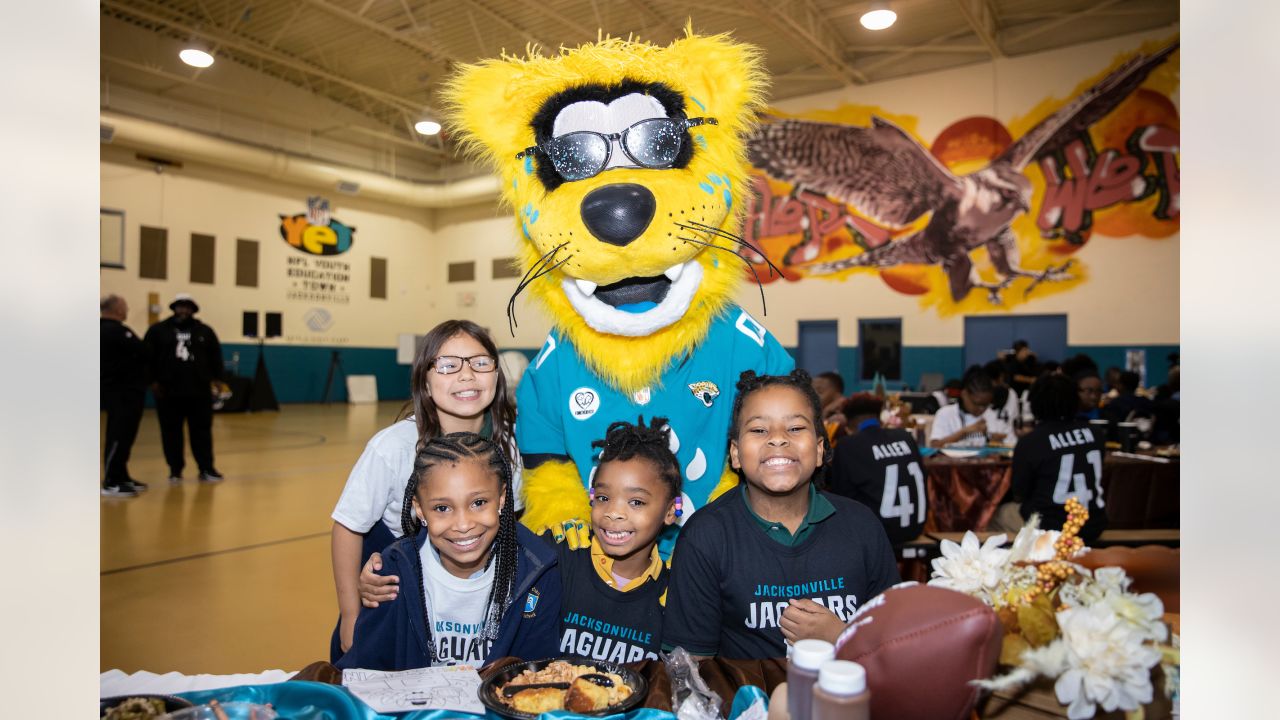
730	582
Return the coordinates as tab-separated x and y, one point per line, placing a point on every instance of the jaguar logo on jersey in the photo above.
316	232
705	390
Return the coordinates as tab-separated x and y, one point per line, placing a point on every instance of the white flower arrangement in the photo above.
1085	630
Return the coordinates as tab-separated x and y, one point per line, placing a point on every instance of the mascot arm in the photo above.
554	500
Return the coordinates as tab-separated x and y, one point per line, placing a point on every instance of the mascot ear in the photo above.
482	100
727	78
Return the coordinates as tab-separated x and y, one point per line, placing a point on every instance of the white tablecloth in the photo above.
113	683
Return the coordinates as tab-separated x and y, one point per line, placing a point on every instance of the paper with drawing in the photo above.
434	688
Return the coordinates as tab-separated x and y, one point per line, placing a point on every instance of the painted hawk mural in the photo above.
891	178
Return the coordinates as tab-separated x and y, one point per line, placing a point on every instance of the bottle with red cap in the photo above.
841	692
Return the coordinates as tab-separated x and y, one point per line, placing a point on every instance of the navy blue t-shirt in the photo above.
730	582
1056	461
604	623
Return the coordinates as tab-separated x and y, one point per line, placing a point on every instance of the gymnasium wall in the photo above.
1127	295
333	312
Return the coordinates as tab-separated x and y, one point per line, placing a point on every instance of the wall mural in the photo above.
974	220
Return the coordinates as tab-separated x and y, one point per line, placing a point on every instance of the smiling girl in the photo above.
615	587
479	585
457	386
774	560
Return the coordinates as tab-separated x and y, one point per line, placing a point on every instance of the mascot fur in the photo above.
634	257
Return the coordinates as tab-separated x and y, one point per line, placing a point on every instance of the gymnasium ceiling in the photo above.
343	81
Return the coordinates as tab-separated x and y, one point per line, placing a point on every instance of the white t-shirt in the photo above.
457	607
952	418
375	487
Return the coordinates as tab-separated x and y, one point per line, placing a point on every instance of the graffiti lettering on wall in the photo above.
316	232
975	221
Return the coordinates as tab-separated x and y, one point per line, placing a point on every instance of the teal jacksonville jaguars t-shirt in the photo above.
563	406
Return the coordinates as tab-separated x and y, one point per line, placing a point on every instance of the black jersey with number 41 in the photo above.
1057	461
881	468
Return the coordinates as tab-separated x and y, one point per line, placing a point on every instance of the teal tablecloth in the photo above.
301	700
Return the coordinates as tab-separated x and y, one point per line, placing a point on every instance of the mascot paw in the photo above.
577	533
555	501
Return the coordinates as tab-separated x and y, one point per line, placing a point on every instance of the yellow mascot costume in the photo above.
625	164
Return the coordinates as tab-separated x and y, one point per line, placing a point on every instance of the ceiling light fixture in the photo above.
196	57
878	17
427	127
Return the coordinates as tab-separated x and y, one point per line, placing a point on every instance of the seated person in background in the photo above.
1089	390
970	422
880	468
1127	404
830	389
1060	459
1110	380
1168	415
949	394
615	588
774	560
1003	399
1077	364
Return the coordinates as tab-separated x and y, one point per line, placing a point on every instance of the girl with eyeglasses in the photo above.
457	386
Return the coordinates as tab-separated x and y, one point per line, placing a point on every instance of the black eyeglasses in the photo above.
450	364
652	143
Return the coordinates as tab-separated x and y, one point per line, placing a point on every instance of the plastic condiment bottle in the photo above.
841	692
802	672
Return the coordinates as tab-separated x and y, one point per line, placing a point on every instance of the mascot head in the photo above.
626	167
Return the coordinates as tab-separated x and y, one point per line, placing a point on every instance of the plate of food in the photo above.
139	707
525	690
959	453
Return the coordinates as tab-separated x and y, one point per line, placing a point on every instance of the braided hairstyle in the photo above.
452	449
624	441
800	381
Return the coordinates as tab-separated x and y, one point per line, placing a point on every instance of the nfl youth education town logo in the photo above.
316	232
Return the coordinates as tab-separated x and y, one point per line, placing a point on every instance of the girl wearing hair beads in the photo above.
615	587
479	585
774	560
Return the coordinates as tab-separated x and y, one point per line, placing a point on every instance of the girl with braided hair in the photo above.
456	386
614	588
480	586
774	560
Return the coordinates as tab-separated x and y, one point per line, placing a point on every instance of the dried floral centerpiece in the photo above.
1084	629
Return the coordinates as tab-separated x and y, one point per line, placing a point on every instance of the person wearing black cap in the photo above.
185	357
122	388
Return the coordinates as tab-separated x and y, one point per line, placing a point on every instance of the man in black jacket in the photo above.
185	357
122	389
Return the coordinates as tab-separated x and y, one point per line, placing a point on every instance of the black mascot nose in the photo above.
618	213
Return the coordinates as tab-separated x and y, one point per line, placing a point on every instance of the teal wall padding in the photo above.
298	371
1108	355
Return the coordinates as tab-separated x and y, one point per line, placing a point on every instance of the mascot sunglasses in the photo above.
653	144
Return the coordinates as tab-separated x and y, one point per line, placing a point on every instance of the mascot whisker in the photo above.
625	165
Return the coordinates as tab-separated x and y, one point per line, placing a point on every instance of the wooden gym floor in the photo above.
232	577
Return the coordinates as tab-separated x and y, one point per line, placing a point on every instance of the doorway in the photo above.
986	337
818	349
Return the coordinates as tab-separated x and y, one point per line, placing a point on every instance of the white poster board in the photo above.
362	389
407	347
